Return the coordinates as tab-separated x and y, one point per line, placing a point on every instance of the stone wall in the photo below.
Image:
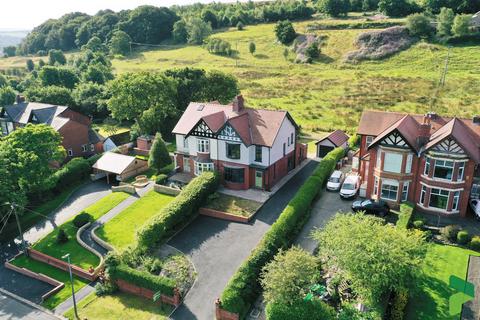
166	190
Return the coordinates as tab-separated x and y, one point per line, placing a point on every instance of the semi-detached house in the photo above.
429	160
250	148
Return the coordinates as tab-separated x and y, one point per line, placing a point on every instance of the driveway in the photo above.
15	308
218	247
27	287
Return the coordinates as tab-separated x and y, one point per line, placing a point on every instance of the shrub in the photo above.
450	232
219	46
405	215
243	288
159	156
142	279
161	179
399	303
461	25
300	310
167	169
312	51
463	237
61	236
240	26
419	25
418	224
82	219
475	243
285	32
181	210
103	289
71	173
353	141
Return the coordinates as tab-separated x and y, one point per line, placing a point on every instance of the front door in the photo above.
258	179
186	164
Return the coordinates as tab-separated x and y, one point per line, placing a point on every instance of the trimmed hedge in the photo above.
71	173
300	310
142	279
184	207
244	287
399	303
405	215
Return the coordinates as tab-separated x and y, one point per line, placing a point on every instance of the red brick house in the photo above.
427	159
251	148
79	139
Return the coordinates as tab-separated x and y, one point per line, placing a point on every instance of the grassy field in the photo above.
331	93
234	205
120	231
431	300
120	306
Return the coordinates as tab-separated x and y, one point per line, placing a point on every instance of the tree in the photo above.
41	63
3	81
312	51
56	57
9	51
334	8
51	94
120	43
90	99
30	65
374	257
97	73
95	44
461	25
62	236
159	157
209	17
419	25
180	32
58	76
240	26
289	276
445	22
285	32
220	86
198	30
395	8
7	96
252	47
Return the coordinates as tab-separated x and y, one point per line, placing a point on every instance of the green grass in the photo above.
430	301
119	306
330	94
234	205
120	231
105	133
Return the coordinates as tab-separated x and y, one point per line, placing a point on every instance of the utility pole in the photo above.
67	256
24	245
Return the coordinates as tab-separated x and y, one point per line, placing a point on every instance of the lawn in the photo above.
330	94
233	205
120	231
431	299
120	306
102	129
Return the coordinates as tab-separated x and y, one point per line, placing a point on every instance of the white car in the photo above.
350	187
475	205
335	181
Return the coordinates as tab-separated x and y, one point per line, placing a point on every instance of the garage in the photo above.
338	138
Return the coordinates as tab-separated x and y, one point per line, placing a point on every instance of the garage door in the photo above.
323	150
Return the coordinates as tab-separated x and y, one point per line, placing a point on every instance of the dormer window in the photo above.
203	145
34	119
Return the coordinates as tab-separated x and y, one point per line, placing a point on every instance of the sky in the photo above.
26	14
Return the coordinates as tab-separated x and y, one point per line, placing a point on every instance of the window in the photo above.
438	198
202	167
284	149
4	128
70	152
456	200
375	186
405	191
427	166
443	169
233	151
258	153
369	140
84	148
393	162
235	175
203	145
92	147
379	158
389	190
461	170
422	195
291	138
408	166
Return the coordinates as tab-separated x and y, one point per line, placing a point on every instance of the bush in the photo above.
419	25
142	279
71	173
82	219
450	232
300	310
161	179
399	303
244	287
167	169
418	224
181	210
405	215
463	237
240	26
159	156
353	141
62	236
103	289
285	32
475	243
313	51
219	46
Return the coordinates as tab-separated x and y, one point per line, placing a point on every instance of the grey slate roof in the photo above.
44	113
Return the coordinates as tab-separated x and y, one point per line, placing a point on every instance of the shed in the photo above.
120	166
337	138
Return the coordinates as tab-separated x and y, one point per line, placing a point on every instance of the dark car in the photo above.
378	208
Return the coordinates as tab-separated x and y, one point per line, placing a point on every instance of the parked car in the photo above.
335	181
378	208
350	187
475	205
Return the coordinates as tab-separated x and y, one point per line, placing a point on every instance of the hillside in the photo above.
10	38
331	93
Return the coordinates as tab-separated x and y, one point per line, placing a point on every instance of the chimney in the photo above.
19	99
424	130
238	103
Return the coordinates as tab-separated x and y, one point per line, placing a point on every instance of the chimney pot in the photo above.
476	119
238	103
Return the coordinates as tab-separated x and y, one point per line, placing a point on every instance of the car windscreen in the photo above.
366	203
334	180
348	186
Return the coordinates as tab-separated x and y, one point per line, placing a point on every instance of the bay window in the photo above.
203	145
456	200
461	171
258	153
405	191
423	193
443	169
201	167
438	198
233	150
235	175
408	166
393	162
427	166
389	190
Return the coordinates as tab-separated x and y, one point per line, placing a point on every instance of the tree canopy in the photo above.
159	156
285	32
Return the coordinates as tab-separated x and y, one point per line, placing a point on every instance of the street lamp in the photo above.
67	256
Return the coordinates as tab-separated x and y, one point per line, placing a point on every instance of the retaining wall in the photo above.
87	247
221	314
146	293
166	190
223	215
100	241
124	188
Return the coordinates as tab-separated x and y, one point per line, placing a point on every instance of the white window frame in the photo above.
408	165
369	140
203	145
84	148
201	167
442	163
379	159
426	169
185	143
387	162
405	188
455	200
423	194
461	171
432	191
375	186
70	152
388	184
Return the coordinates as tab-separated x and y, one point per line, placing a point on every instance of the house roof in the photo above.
254	126
337	137
476	19
120	138
113	162
26	112
465	132
94	137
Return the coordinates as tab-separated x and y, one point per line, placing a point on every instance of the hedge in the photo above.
399	303
71	173
142	279
300	310
184	207
244	287
405	215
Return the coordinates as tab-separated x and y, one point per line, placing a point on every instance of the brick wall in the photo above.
74	136
221	314
223	215
148	294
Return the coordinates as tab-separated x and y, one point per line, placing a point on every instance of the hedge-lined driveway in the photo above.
218	247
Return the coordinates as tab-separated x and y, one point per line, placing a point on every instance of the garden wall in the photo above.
124	188
223	215
128	287
166	190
